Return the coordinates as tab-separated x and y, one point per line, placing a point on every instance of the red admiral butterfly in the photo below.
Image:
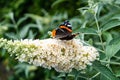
64	32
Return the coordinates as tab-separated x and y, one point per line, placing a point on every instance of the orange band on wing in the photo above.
64	27
53	33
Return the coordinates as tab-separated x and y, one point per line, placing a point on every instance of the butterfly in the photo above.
64	31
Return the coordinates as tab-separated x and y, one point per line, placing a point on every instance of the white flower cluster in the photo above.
61	55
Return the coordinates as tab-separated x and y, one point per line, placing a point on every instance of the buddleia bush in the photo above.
97	21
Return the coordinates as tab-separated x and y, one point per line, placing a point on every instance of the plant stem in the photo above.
109	62
118	58
95	75
99	32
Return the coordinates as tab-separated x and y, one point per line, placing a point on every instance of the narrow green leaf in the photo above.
113	47
102	77
31	35
27	71
23	31
108	37
11	15
104	70
111	24
61	75
57	2
116	16
87	31
21	20
11	35
90	41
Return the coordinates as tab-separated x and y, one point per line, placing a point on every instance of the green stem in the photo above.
95	75
99	32
97	22
118	58
109	62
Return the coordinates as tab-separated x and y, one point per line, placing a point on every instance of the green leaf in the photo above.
90	41
102	77
31	35
116	69
87	31
11	35
113	47
107	36
21	20
58	2
11	15
23	31
110	25
116	16
104	70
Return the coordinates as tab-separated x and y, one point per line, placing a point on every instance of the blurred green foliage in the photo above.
98	21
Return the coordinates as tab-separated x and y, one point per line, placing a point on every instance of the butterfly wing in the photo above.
69	37
60	33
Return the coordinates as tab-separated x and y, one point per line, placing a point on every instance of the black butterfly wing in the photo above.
60	33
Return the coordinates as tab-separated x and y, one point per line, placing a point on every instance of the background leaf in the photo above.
104	71
88	31
111	24
113	47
